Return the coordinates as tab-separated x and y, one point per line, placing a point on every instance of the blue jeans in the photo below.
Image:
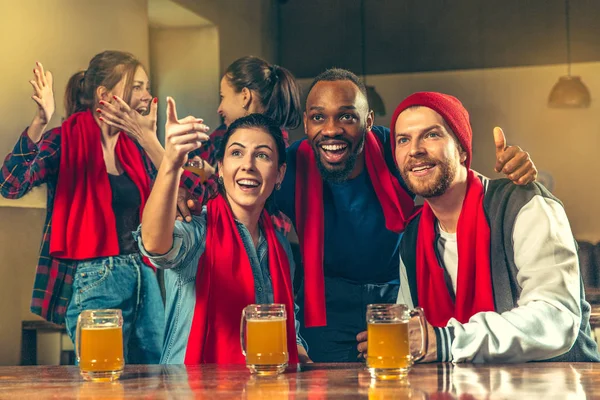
125	283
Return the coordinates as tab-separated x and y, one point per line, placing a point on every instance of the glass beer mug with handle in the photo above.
388	352
196	166
263	338
99	345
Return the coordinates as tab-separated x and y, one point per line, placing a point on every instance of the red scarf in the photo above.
225	285
83	221
474	291
395	202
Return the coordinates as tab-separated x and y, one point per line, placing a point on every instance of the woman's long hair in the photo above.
105	69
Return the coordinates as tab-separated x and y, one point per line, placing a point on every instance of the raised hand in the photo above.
182	136
512	161
118	114
43	94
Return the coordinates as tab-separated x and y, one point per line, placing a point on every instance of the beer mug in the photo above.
388	353
263	337
196	167
99	345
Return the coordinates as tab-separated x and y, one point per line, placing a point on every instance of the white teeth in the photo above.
247	182
421	168
334	147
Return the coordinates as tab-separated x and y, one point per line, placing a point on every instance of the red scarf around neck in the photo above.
474	291
225	285
83	221
396	203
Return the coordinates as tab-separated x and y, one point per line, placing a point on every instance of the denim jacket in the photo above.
181	264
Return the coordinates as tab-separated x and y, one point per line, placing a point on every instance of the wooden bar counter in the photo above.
315	381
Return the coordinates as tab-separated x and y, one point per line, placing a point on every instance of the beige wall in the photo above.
19	243
64	35
245	27
565	143
185	66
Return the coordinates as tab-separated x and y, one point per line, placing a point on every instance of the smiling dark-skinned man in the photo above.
349	205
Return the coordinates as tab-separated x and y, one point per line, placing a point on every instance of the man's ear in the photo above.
370	120
463	155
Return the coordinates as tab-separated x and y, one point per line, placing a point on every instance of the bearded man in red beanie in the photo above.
493	265
349	206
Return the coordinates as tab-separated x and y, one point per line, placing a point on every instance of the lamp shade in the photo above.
375	101
569	92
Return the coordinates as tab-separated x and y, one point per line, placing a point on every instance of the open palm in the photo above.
43	94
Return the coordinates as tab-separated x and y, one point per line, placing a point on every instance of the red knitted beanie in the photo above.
449	107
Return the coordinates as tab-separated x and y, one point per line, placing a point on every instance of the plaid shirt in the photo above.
30	165
208	152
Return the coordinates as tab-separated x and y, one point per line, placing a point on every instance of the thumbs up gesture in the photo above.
512	161
182	135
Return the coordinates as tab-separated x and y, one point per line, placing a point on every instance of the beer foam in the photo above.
392	322
267	319
100	327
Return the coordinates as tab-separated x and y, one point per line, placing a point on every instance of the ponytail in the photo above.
283	105
275	87
74	94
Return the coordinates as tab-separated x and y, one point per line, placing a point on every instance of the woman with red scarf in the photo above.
230	255
98	170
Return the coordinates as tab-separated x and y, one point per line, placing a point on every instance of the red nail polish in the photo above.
100	118
102	102
99	111
155	100
115	97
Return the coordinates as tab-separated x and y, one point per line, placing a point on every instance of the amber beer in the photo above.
388	352
388	345
267	341
99	344
101	349
196	168
263	336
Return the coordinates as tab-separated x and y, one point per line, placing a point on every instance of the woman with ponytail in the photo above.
252	85
98	169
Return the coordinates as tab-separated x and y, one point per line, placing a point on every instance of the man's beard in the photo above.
341	172
436	187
